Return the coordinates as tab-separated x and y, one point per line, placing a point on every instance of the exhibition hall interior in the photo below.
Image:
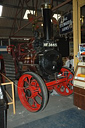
42	63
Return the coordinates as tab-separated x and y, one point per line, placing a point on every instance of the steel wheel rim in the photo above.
31	94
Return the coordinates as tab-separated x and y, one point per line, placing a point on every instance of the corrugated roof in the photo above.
8	16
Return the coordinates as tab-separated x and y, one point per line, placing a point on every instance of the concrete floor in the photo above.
55	105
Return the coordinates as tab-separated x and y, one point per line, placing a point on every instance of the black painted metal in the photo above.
47	23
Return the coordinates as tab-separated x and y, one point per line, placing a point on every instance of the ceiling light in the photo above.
28	12
42	25
26	38
57	16
1	9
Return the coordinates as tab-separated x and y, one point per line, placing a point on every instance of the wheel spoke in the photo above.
35	103
59	87
70	83
63	89
27	98
68	75
39	96
70	90
70	79
66	87
28	79
34	83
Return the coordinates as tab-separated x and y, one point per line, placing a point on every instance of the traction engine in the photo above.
44	69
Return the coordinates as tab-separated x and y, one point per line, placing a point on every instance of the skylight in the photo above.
1	9
57	16
28	12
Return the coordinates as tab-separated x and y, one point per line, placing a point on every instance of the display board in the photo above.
66	23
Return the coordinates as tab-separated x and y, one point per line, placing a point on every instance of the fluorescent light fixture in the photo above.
1	9
28	12
57	16
51	20
26	38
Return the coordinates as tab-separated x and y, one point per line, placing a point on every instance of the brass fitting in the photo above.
46	6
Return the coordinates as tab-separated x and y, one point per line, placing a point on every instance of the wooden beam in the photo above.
79	25
77	4
75	31
81	3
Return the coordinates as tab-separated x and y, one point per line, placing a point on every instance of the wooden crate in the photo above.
79	97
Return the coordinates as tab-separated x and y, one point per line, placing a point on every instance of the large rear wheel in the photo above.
32	92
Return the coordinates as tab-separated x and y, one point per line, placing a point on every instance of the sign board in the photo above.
3	49
50	44
65	23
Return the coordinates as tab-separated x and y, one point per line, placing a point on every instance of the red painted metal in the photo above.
62	85
65	88
3	68
63	82
22	54
62	4
51	85
1	57
9	48
29	101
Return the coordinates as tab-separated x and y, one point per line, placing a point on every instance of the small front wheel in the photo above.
32	92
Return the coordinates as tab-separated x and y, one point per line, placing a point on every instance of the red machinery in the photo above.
43	64
33	90
13	60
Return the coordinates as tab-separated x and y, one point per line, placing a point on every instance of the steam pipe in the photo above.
47	21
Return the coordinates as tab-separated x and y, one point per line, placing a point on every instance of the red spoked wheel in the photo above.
65	88
32	92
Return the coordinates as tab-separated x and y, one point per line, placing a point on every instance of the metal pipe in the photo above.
5	118
9	41
4	37
60	5
1	42
47	14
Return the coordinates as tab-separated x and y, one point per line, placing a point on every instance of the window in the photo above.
1	7
28	12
